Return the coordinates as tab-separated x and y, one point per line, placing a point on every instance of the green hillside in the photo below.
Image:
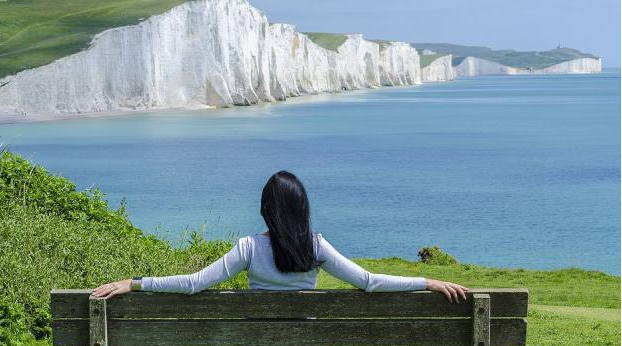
425	60
509	57
327	40
54	236
36	32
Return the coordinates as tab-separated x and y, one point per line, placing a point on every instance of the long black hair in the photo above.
285	209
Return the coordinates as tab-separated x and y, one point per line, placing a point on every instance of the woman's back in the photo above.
262	271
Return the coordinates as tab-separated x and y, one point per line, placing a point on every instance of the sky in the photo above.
591	26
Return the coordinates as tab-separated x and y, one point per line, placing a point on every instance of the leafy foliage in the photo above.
434	255
52	236
34	187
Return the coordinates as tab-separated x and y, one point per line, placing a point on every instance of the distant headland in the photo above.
474	61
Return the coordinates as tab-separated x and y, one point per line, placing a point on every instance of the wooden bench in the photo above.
290	318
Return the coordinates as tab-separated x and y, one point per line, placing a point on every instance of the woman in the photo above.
286	257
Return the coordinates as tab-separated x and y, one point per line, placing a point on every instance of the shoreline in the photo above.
304	98
298	99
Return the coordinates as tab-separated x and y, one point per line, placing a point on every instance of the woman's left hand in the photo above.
112	289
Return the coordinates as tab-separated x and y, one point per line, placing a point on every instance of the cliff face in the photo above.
439	70
203	53
471	66
583	65
399	64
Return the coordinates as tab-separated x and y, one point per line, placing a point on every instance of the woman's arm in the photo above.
227	266
342	268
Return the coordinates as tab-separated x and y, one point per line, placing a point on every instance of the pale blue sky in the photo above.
591	26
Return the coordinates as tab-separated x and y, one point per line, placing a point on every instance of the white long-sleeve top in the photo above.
254	254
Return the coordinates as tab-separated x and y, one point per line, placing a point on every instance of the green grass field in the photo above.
327	40
36	32
53	236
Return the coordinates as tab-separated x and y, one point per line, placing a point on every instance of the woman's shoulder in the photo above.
318	236
257	238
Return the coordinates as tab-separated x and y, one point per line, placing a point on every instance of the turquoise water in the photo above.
501	171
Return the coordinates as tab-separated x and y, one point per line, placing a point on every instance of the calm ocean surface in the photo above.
519	171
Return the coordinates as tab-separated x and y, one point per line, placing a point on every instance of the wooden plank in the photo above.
97	322
291	304
481	319
69	303
70	332
448	332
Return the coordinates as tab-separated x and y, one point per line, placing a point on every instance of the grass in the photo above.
567	287
594	314
509	57
570	307
547	328
327	40
53	236
425	60
36	32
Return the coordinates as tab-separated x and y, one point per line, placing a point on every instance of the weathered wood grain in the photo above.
98	322
481	319
284	304
423	332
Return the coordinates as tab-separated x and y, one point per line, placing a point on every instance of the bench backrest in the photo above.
290	318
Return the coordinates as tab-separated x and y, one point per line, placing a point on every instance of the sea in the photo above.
501	171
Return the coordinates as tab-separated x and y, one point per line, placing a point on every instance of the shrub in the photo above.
34	187
14	324
435	256
53	236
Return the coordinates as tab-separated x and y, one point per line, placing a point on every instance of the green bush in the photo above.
34	187
52	236
14	329
435	256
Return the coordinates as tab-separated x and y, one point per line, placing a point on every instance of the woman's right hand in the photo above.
451	290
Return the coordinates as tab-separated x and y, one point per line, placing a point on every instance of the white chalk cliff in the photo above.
198	54
439	70
582	65
472	66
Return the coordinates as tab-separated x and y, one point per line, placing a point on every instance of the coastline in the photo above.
303	98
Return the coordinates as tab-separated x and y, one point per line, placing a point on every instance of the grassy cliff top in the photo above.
507	57
36	32
327	40
425	60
